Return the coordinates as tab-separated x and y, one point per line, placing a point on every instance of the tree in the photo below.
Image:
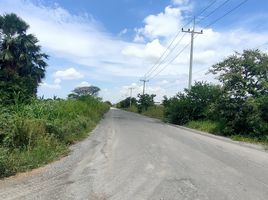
244	78
22	64
193	104
84	91
243	75
126	102
145	101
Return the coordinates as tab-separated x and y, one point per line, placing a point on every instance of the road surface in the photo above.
129	156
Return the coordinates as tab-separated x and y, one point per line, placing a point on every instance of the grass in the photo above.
263	142
155	112
132	108
35	134
216	128
206	126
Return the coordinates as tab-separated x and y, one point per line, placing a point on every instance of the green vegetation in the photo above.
206	126
34	134
144	105
237	108
22	64
156	111
84	91
35	131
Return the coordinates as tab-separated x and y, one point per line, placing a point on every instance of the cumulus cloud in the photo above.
164	24
81	40
180	2
68	74
54	86
83	84
152	50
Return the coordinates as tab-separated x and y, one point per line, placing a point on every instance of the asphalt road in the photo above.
129	156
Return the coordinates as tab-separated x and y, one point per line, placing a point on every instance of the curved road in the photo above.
129	156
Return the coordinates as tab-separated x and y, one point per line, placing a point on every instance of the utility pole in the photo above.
131	88
193	32
144	82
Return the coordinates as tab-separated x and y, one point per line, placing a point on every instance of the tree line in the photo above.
238	104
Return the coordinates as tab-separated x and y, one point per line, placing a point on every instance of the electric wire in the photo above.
210	24
159	62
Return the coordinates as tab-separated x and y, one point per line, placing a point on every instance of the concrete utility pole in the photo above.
131	88
192	51
144	82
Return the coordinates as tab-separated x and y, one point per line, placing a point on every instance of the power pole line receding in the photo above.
144	82
193	32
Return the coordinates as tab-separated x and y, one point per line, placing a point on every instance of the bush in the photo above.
155	112
34	134
192	105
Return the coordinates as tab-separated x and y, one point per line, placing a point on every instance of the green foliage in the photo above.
22	64
206	126
145	101
243	104
132	108
155	112
192	105
238	107
244	75
34	134
84	91
126	103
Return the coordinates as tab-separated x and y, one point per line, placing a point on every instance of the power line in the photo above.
227	13
212	12
170	61
210	24
178	33
160	63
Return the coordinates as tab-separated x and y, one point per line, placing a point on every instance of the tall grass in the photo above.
155	112
35	134
206	126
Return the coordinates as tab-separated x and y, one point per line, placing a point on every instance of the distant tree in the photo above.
84	91
109	103
126	102
22	64
145	101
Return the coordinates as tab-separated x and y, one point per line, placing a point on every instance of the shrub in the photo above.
34	134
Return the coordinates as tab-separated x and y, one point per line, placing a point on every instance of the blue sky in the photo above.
111	44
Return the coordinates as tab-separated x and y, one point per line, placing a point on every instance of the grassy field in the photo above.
36	134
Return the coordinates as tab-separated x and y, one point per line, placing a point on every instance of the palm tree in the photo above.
22	64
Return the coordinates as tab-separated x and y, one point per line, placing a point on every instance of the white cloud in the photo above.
57	81
152	50
123	32
163	82
54	86
83	84
68	74
81	40
164	24
180	2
